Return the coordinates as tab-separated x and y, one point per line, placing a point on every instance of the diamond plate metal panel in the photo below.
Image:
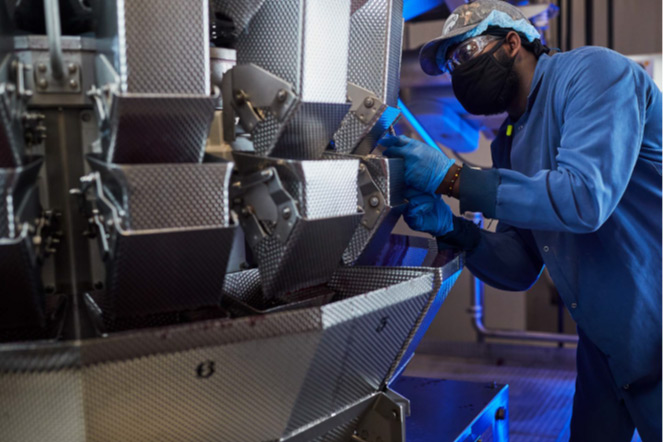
11	143
309	130
308	258
42	406
237	401
157	47
158	129
323	189
306	48
326	30
356	330
166	271
170	195
376	30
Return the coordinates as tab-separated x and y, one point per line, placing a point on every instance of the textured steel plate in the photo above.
158	128
308	258
163	196
156	47
306	48
376	31
166	271
11	141
253	378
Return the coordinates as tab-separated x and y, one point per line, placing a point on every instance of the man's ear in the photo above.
512	43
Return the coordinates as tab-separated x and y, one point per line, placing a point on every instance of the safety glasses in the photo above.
467	50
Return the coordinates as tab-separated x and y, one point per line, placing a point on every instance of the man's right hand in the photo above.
425	166
428	213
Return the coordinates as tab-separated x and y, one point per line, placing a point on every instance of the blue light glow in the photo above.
416	125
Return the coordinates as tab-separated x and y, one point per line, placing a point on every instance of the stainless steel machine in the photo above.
194	222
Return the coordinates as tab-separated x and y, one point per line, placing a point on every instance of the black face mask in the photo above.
484	84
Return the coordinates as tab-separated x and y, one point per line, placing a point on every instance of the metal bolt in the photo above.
362	167
369	102
72	68
281	95
394	414
374	201
500	414
86	116
41	67
361	118
239	97
267	173
574	305
286	213
42	83
73	83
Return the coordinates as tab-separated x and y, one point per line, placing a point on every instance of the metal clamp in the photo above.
266	208
371	199
98	226
385	420
248	91
365	104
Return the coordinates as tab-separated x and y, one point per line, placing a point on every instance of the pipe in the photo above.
52	16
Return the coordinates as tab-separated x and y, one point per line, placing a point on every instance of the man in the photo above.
576	186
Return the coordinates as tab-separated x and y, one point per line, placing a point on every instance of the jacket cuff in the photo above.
478	190
465	236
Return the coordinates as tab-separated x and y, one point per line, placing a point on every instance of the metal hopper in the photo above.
289	86
291	375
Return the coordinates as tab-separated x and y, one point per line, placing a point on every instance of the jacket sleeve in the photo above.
507	259
602	123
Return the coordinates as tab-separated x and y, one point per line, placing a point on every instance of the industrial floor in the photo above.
541	382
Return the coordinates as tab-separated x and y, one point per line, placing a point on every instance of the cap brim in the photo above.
428	52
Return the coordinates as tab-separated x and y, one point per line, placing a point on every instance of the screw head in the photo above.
500	414
369	102
281	95
374	201
42	83
286	213
72	68
73	83
394	414
41	67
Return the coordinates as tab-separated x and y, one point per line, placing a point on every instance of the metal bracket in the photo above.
47	82
249	91
47	234
370	198
385	420
266	208
365	104
98	226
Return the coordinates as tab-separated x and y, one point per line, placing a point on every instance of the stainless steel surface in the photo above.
167	236
376	33
142	333
166	382
139	38
158	128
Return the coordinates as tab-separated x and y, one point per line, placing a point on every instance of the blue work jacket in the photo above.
576	186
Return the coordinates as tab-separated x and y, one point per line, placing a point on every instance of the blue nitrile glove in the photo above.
428	213
425	166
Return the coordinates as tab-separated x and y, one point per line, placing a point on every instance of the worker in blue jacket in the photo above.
576	186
